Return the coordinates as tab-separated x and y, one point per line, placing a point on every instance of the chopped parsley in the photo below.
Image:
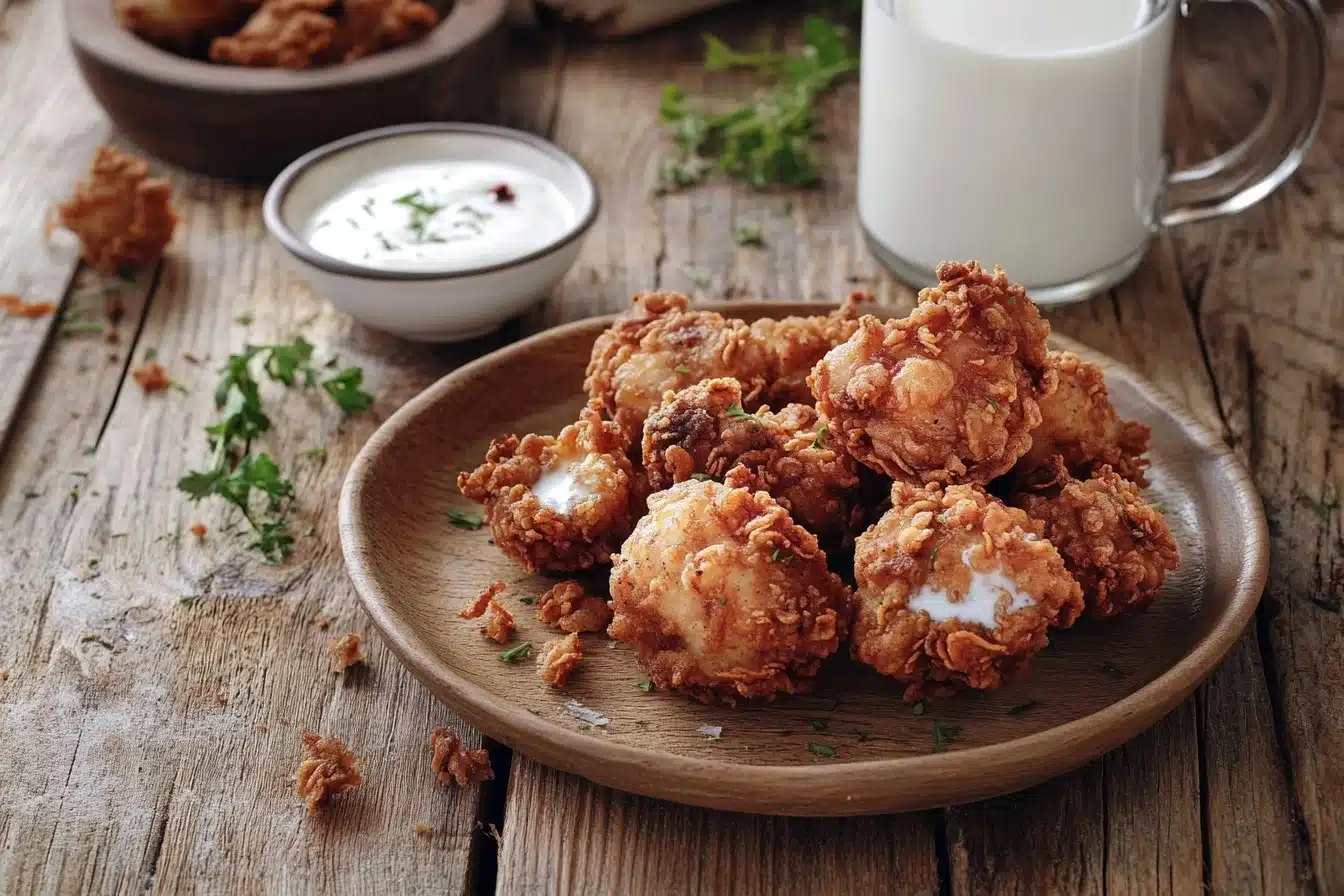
818	724
71	326
748	233
992	403
1024	707
819	441
703	477
527	599
821	750
514	654
1160	508
317	454
244	319
1329	604
735	410
918	708
682	368
189	600
699	278
782	556
933	556
465	520
944	735
645	686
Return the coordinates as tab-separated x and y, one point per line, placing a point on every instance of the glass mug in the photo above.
1029	134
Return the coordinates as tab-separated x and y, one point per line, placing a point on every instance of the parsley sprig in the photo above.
769	140
254	483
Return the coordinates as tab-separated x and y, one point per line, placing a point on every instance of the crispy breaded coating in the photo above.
723	596
326	768
557	659
365	27
345	652
476	609
557	504
658	345
452	763
500	626
702	431
281	33
122	216
956	590
569	607
1115	544
1080	425
185	26
796	344
948	394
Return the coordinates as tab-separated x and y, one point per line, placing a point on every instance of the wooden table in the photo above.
149	742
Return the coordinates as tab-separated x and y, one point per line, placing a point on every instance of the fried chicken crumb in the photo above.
122	216
327	767
151	376
112	337
569	607
477	609
557	659
222	699
345	652
452	763
17	307
500	626
423	830
199	530
323	624
260	726
4	675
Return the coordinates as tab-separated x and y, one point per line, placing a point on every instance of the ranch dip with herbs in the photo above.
450	216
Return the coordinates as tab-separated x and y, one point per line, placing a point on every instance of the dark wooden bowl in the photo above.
247	124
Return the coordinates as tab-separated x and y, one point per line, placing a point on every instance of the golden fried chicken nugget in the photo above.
365	27
122	216
702	431
557	503
282	33
796	344
186	26
1117	545
658	345
956	590
1079	424
948	394
723	596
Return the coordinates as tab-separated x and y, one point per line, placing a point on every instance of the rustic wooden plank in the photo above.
561	833
49	126
1272	313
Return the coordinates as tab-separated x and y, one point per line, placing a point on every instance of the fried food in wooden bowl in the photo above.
289	75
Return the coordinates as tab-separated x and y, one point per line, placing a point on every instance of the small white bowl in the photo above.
428	306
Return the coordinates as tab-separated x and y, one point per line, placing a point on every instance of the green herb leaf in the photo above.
698	277
1160	508
527	600
189	600
645	686
465	520
1024	707
344	389
918	708
819	441
71	327
682	368
244	319
992	403
933	556
818	724
821	750
515	654
944	735
782	556
1329	604
748	233
317	454
735	410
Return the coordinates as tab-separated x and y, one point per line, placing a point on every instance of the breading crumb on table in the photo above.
345	652
326	768
452	763
558	658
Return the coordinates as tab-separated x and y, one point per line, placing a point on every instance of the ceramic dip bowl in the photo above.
433	232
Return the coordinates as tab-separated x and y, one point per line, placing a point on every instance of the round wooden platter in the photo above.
1095	687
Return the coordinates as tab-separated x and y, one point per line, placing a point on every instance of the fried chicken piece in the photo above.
500	626
282	33
723	596
557	503
658	345
453	763
956	590
476	609
326	768
185	26
948	394
122	216
703	431
557	659
365	27
1079	425
345	652
151	376
1115	544
796	344
569	607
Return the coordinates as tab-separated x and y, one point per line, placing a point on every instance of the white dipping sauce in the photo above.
441	216
1026	133
979	603
562	487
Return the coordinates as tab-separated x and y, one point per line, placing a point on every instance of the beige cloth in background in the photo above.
612	18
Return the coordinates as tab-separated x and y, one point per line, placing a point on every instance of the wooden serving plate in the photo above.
248	123
1095	687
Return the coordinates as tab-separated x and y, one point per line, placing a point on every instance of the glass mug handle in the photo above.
1255	167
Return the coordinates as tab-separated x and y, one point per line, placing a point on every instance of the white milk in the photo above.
1024	133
